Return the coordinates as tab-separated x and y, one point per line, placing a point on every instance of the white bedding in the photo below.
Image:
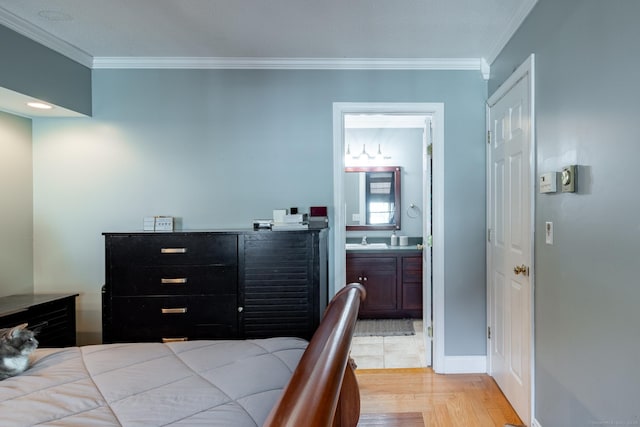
193	383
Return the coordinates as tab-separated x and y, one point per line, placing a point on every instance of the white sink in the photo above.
367	246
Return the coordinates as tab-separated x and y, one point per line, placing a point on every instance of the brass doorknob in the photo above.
521	269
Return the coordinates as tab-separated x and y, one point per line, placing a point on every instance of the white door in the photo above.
510	239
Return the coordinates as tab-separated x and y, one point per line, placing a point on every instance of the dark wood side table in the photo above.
53	314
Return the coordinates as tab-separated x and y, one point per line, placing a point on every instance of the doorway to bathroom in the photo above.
375	135
404	348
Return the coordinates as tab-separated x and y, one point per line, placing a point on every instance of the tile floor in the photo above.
390	352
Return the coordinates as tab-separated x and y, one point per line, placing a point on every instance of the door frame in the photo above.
527	68
436	111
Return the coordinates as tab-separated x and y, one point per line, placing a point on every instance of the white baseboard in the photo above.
535	423
464	365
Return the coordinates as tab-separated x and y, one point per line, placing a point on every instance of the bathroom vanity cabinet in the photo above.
393	280
213	284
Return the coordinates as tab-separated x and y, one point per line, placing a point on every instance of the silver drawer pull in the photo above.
177	339
180	310
173	250
176	281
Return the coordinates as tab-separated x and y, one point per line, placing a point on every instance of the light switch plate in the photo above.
548	235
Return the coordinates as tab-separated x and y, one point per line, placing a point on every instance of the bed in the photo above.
272	382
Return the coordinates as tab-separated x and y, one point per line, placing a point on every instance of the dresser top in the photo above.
21	302
220	231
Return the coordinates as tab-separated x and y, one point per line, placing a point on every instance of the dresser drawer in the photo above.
173	249
133	280
158	318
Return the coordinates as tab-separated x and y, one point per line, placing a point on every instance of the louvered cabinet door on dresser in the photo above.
283	283
213	285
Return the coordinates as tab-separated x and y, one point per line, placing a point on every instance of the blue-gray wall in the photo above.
218	148
16	202
587	287
34	70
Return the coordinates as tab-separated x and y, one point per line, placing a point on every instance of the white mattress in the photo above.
193	383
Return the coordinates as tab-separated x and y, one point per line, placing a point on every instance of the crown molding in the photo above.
289	63
511	28
45	38
56	44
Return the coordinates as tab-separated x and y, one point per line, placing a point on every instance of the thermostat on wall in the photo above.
548	182
569	178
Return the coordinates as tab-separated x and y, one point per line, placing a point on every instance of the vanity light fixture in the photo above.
365	155
39	105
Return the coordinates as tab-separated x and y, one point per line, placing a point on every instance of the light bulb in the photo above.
39	105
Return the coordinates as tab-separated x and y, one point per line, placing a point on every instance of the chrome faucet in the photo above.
364	240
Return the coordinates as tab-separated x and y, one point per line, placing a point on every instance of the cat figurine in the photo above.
16	345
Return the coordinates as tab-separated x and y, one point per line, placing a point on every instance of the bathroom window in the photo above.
380	213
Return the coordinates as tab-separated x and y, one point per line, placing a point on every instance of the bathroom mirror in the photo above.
372	197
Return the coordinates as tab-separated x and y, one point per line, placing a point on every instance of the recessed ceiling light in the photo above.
39	105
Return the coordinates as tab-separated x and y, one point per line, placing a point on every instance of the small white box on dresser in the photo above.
164	223
148	223
158	223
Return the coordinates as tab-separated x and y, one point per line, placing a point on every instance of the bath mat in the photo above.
384	328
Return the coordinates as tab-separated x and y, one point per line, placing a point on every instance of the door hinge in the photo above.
489	332
430	149
488	137
489	235
430	331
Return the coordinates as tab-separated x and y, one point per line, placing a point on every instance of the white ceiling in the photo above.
99	32
296	34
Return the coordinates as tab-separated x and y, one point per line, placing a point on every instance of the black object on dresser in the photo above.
213	285
53	315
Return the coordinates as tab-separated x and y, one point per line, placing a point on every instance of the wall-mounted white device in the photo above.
548	182
569	178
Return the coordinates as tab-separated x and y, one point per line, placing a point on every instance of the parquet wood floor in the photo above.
418	397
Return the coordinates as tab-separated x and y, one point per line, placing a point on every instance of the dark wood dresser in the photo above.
213	284
53	315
